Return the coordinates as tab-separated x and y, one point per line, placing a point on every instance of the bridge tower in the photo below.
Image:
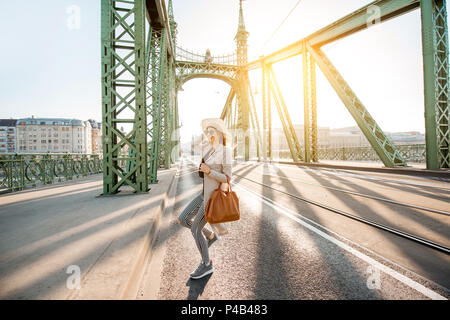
243	124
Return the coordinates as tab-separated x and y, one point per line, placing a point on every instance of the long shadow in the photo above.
52	196
67	222
415	215
403	245
16	263
196	287
54	185
172	228
56	278
394	185
272	281
339	275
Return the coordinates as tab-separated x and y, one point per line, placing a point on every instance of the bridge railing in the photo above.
20	171
185	55
411	153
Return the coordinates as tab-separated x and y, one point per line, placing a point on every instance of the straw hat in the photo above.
217	123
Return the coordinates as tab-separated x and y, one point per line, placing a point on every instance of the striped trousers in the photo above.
197	227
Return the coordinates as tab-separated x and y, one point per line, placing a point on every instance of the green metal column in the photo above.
264	110
310	107
157	82
306	105
123	89
289	132
254	118
313	109
436	82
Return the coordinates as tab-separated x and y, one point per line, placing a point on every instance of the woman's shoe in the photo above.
212	240
202	270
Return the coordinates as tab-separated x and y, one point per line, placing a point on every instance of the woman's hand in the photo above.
204	168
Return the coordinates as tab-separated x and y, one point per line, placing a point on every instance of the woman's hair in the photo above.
223	139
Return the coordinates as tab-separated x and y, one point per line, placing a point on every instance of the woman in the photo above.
217	166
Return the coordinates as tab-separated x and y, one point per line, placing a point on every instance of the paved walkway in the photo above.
49	234
282	248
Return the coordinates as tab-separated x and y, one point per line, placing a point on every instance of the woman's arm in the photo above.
227	168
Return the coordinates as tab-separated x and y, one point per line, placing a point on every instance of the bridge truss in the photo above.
143	69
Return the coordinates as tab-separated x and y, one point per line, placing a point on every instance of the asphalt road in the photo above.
283	248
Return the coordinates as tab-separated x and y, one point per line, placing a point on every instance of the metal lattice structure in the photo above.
142	70
436	82
123	94
19	171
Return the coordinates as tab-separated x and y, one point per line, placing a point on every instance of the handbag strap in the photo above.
207	155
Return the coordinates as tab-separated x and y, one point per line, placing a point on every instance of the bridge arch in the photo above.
231	81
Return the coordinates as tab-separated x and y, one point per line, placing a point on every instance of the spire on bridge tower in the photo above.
173	24
241	38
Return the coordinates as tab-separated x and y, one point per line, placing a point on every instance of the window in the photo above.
43	123
43	141
49	141
55	141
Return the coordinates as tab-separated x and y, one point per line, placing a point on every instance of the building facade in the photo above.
97	147
7	135
41	135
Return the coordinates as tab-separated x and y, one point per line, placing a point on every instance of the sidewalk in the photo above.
48	234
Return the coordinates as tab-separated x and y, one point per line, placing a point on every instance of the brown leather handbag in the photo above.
222	206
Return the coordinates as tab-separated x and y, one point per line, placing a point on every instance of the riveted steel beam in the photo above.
383	146
288	128
123	91
436	83
350	24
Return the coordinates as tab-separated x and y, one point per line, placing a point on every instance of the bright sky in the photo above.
50	70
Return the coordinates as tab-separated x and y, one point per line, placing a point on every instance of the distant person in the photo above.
208	57
216	167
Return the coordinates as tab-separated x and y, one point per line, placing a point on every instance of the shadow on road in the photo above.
196	287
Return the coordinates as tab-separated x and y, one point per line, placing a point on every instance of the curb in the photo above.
145	253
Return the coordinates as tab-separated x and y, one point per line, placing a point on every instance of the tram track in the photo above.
366	221
403	204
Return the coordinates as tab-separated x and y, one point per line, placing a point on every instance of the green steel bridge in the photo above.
143	69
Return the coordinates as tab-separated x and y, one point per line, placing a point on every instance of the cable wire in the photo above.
281	24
